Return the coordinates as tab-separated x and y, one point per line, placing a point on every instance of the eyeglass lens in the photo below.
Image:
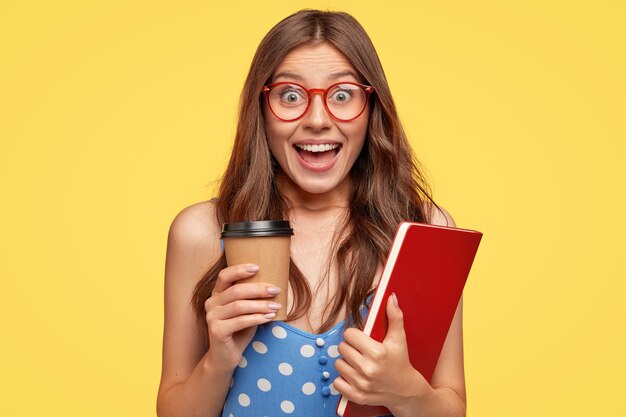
345	101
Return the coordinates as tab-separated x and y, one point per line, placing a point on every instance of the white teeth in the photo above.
318	148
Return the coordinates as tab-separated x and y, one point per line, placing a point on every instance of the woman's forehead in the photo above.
314	63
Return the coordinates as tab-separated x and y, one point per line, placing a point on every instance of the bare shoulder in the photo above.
197	219
195	228
439	216
193	246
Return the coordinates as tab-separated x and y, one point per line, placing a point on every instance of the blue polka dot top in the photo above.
286	371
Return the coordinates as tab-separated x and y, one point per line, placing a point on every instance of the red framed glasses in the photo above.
343	101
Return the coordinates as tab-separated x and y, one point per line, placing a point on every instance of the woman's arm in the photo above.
447	397
199	359
449	376
190	386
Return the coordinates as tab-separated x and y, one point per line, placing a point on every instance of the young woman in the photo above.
318	143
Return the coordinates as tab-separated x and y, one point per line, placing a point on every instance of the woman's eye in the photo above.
341	96
291	96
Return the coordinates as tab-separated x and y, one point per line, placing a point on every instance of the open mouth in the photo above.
318	155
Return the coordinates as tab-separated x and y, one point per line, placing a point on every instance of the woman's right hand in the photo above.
233	311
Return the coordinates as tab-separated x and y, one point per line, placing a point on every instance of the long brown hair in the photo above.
387	183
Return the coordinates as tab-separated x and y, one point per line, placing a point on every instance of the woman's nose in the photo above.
317	116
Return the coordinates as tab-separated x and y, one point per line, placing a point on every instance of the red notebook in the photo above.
427	268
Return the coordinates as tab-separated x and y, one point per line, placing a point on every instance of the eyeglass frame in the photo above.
367	89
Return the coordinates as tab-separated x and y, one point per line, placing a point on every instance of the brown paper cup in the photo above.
267	244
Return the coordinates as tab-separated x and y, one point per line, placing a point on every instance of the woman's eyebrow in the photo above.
286	74
333	76
342	74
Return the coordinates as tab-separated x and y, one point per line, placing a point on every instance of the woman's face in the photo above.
325	171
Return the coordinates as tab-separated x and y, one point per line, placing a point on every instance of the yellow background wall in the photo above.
116	115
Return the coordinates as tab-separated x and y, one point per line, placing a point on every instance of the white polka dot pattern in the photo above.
307	351
259	347
333	351
285	369
308	388
287	407
279	332
244	400
264	385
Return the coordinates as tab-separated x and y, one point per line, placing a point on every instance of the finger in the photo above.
241	307
362	342
235	324
248	291
395	321
347	390
350	354
347	372
229	275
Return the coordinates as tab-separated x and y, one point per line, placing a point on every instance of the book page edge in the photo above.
384	279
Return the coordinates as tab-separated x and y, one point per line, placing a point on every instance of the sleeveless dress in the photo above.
286	371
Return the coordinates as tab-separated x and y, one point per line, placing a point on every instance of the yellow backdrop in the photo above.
116	115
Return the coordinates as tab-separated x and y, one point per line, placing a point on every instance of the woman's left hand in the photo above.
375	373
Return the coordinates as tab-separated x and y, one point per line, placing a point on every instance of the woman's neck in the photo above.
301	200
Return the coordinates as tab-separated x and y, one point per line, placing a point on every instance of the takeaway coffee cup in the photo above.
266	243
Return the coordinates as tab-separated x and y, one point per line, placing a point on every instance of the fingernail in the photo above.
270	315
395	299
252	268
274	306
273	290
